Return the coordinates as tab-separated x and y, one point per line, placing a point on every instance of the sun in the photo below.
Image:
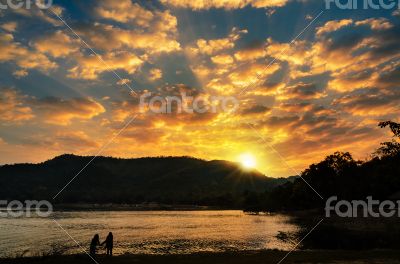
247	160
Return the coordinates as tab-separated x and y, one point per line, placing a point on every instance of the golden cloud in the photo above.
12	108
110	38
222	59
251	53
73	141
376	23
333	25
90	67
372	102
58	44
214	46
123	11
58	111
23	57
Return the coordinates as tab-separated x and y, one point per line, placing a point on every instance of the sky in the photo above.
307	80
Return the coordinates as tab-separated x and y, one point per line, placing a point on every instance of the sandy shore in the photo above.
260	257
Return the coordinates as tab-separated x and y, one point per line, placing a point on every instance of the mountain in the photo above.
169	180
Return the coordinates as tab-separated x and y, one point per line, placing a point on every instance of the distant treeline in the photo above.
164	180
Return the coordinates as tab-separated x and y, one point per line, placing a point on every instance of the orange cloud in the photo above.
90	67
123	11
376	23
110	38
214	46
251	53
12	108
58	111
333	25
372	102
57	44
73	141
222	59
23	57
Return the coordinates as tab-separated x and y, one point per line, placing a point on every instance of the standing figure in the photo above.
109	244
95	242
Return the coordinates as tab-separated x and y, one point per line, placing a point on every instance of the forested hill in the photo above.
169	180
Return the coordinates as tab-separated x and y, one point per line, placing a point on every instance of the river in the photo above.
144	232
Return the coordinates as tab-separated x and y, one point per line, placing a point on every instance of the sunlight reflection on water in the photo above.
147	232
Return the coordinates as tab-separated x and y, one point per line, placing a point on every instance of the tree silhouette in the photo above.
390	148
395	127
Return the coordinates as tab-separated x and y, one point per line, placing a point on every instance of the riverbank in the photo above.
256	257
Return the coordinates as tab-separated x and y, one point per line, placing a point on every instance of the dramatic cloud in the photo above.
123	11
12	108
302	91
251	53
91	66
255	110
213	46
372	102
333	25
61	111
57	44
108	38
222	59
73	141
376	23
12	51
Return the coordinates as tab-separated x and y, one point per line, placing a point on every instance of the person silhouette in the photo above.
109	243
95	242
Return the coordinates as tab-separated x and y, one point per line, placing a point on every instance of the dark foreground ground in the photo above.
263	257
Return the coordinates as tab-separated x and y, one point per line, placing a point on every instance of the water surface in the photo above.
145	232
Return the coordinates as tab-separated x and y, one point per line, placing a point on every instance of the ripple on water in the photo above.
158	232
